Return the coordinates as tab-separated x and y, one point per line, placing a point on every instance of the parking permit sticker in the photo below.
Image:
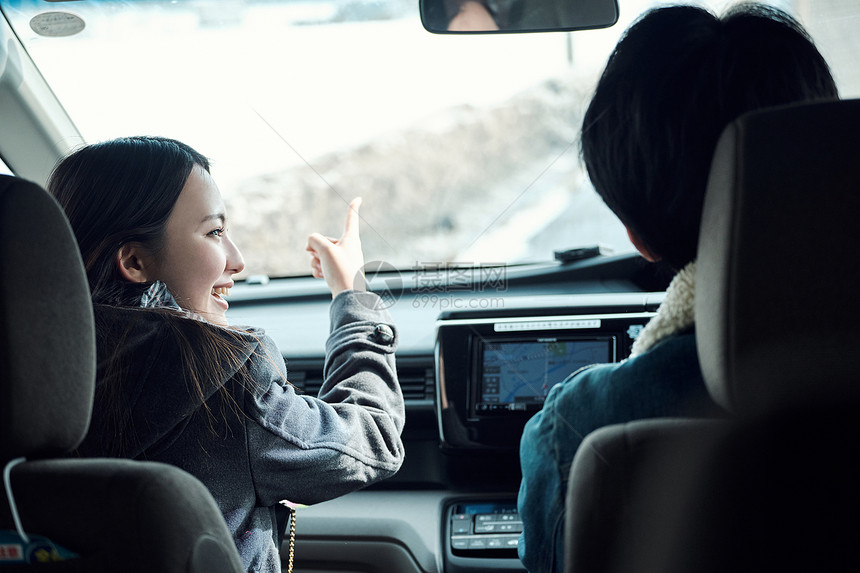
36	549
57	24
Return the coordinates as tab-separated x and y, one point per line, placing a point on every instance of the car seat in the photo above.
113	514
775	488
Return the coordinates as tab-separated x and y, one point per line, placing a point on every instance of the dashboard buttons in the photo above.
498	523
461	524
479	529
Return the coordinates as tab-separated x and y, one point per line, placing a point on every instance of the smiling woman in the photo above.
176	384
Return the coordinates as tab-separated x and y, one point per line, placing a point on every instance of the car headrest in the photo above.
777	306
47	336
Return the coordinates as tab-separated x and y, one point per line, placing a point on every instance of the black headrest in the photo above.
47	337
777	298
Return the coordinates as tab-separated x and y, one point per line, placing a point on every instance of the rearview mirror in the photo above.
469	16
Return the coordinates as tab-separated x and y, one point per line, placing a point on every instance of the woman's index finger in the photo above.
352	219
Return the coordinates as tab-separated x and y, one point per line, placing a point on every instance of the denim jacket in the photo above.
661	379
271	443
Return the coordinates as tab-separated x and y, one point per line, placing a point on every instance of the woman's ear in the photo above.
134	263
640	246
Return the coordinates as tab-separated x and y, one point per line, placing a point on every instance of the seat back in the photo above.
777	314
116	515
47	338
601	505
777	273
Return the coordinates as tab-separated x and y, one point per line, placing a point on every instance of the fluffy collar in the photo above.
675	313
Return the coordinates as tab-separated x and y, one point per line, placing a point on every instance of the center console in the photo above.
494	372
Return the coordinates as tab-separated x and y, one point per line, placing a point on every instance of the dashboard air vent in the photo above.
416	379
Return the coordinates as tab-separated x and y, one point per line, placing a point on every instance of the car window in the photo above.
465	148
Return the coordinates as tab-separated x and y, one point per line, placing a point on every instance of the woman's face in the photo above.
199	258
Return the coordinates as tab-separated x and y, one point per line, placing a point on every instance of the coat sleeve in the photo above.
308	449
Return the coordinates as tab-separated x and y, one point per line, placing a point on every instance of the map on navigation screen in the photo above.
524	371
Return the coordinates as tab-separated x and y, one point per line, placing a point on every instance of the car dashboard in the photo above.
478	350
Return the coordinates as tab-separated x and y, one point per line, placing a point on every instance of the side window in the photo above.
4	170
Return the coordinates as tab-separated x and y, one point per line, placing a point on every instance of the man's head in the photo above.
676	79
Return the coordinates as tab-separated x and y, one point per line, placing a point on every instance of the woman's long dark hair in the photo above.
123	191
118	192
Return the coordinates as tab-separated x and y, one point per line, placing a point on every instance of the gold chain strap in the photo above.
292	539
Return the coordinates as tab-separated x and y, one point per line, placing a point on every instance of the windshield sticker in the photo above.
57	24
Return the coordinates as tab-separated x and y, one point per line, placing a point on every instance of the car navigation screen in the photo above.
518	374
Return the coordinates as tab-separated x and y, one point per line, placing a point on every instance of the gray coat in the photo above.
253	444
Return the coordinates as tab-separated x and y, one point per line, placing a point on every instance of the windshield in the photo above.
464	148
